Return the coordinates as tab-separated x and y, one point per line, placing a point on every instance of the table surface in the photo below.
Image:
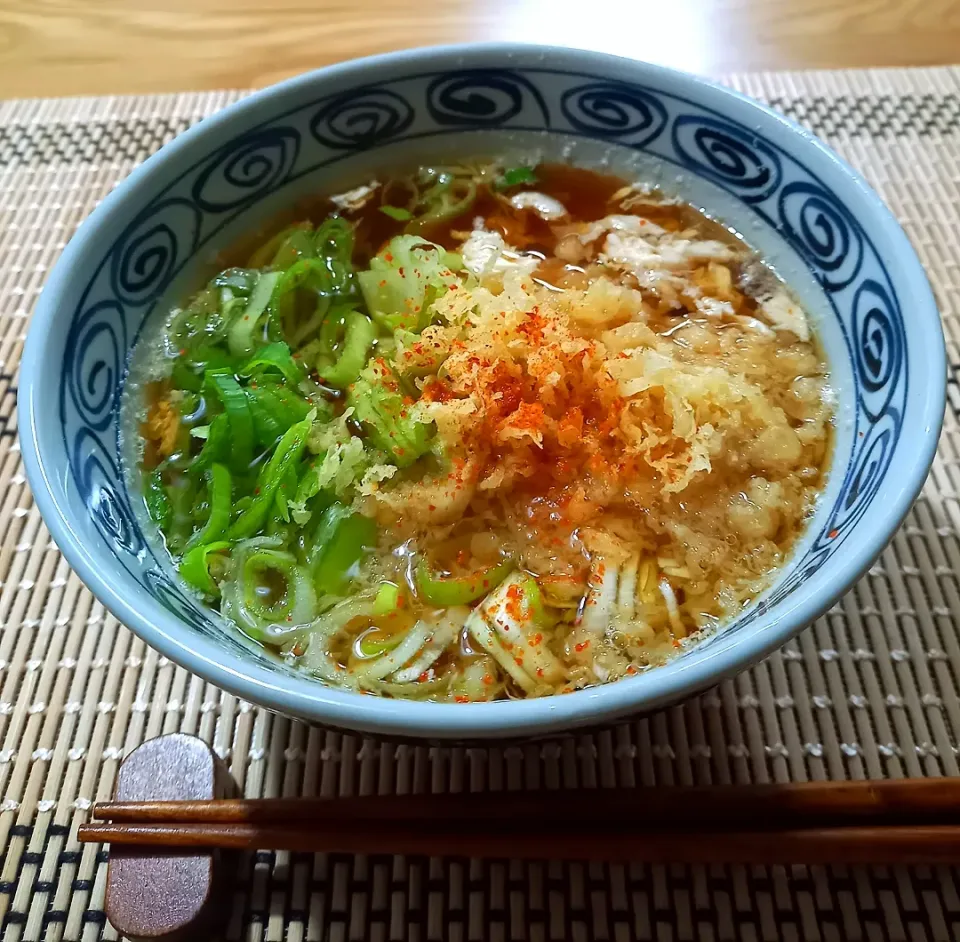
79	47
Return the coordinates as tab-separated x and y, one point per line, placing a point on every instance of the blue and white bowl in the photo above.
817	221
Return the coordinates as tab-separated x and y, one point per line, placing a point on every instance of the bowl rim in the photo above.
311	699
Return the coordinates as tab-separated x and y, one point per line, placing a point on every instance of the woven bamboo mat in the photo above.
870	690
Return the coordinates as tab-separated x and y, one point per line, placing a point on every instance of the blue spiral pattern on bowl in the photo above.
185	218
150	250
246	169
615	110
361	119
483	98
825	234
737	160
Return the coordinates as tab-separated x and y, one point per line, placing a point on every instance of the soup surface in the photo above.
478	432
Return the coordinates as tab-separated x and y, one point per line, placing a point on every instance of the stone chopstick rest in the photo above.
157	894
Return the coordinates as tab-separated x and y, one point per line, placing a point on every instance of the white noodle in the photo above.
487	639
387	663
673	609
598	610
443	635
627	589
537	657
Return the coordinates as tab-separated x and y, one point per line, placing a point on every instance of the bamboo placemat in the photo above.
870	690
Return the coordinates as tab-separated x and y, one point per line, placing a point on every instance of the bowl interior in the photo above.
817	223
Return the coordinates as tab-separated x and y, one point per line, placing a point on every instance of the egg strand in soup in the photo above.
474	433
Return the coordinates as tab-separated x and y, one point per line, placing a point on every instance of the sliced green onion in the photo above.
256	588
534	597
397	212
285	493
200	322
341	539
359	334
332	329
217	444
308	281
297	245
188	369
219	490
265	254
295	408
448	198
195	567
158	503
454	261
287	454
511	610
274	409
334	240
270	593
269	419
182	490
275	357
327	526
225	386
183	376
396	284
427	690
388	599
240	338
355	535
369	647
189	405
315	285
308	489
516	176
317	634
211	358
388	421
239	280
446	591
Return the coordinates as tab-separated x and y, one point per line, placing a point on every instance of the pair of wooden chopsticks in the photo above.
909	821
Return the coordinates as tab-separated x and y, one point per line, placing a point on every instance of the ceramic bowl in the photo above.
807	212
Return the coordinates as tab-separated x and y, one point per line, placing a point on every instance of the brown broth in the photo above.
586	194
